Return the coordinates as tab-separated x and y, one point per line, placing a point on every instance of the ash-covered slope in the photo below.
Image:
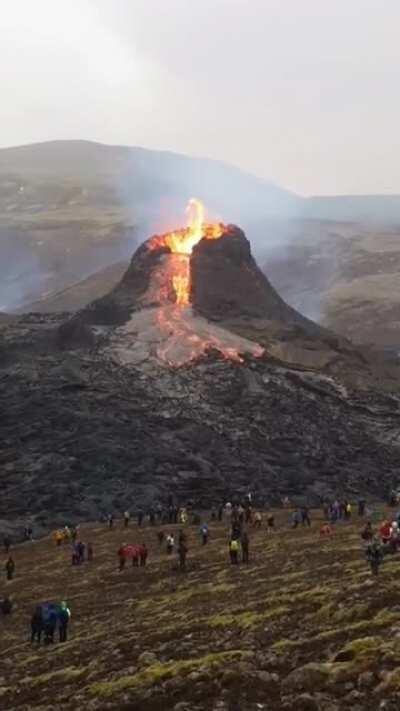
222	286
94	418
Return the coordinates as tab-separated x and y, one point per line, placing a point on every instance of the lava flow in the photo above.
181	242
171	332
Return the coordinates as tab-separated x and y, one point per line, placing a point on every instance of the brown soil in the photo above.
223	637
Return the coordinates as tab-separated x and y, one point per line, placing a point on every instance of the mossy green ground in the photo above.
214	630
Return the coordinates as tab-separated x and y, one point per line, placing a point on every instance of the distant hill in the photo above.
70	208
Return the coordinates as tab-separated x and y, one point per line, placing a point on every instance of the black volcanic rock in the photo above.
227	283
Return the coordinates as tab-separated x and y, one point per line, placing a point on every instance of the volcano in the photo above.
186	293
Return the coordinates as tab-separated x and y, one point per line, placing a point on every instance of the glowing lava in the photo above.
181	242
171	333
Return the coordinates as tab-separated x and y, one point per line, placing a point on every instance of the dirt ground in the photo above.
303	626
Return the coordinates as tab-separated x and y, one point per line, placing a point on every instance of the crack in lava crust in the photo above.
174	335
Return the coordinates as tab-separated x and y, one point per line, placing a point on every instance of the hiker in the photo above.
257	522
36	625
140	518
127	517
6	606
170	543
89	550
58	537
228	510
385	531
121	556
245	547
28	533
361	507
143	553
110	520
64	617
270	522
182	553
49	627
204	534
234	551
374	554
80	551
305	517
9	568
296	518
160	536
326	530
367	533
7	544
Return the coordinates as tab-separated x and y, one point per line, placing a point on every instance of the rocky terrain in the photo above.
94	411
303	627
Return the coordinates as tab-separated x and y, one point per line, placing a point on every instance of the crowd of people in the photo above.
239	517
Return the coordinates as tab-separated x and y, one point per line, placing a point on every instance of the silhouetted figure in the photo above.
10	568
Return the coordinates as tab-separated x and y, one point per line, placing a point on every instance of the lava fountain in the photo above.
181	243
166	328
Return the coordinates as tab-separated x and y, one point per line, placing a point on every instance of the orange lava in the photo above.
181	242
180	342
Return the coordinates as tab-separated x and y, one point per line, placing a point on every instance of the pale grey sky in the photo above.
303	92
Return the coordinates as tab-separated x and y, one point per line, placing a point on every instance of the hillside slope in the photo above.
302	627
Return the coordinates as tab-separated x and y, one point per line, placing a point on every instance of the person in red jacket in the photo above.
385	531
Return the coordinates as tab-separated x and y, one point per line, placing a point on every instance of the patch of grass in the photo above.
246	619
65	675
160	672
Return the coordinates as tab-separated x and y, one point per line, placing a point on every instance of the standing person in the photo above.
81	552
121	556
270	522
182	553
234	551
213	514
305	516
64	617
143	553
374	554
127	517
110	520
367	533
245	547
36	625
170	543
7	544
9	568
6	605
348	511
89	552
140	518
204	534
257	521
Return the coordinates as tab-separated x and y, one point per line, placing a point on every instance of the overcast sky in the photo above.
304	93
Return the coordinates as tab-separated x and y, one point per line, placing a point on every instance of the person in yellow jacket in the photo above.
234	548
58	537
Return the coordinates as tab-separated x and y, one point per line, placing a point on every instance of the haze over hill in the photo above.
70	210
